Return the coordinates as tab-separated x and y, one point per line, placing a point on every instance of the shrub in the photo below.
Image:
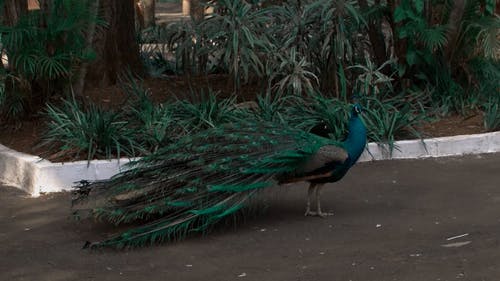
153	124
44	48
206	111
492	114
315	108
97	132
390	119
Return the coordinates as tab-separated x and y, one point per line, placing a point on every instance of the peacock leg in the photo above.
319	213
312	187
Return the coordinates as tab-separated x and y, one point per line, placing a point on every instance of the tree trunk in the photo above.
116	46
456	15
149	12
186	7
139	13
376	37
79	81
197	10
13	10
400	45
145	10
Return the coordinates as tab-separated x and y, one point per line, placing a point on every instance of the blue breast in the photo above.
356	139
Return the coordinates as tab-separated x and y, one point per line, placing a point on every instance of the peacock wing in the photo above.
319	165
326	155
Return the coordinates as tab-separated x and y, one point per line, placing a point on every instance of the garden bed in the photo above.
26	136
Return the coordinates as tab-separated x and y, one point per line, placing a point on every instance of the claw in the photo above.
324	215
309	213
316	214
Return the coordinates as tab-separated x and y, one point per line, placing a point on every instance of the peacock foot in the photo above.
324	214
318	214
310	213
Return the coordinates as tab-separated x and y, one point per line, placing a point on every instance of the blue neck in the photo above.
356	139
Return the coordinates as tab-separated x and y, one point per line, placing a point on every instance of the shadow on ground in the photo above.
392	220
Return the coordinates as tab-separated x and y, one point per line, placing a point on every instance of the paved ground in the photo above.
391	222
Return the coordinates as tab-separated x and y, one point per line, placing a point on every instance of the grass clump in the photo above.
93	131
492	114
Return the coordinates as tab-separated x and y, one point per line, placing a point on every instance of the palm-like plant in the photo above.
476	32
46	46
154	124
371	78
207	111
444	50
340	22
94	131
184	39
492	114
316	108
389	119
294	75
430	37
47	51
294	26
238	30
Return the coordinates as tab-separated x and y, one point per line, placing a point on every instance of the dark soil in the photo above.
454	125
392	222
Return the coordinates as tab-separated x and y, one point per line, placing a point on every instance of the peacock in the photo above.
189	186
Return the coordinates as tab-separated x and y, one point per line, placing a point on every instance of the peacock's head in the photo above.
357	109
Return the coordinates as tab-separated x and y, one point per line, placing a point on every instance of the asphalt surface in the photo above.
434	219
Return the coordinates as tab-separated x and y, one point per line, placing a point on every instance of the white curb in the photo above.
434	147
36	176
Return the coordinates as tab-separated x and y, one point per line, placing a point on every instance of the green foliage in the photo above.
44	47
477	34
416	27
448	95
486	74
299	46
153	124
157	65
14	93
371	81
272	108
293	75
443	52
302	53
206	111
317	108
323	33
141	126
411	12
183	39
391	119
236	29
94	131
492	114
